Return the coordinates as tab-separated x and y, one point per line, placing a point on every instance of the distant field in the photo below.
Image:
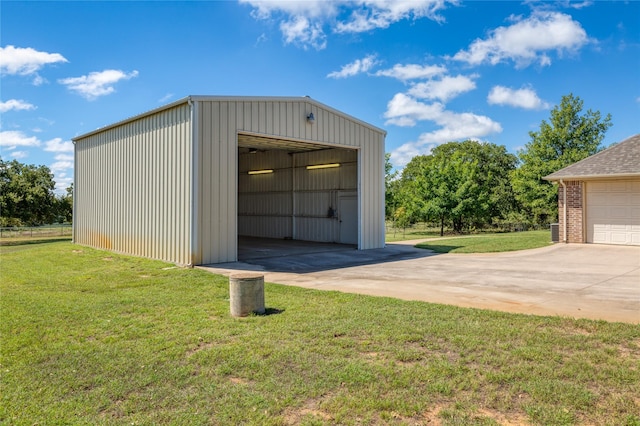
92	337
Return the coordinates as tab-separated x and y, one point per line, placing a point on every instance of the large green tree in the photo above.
461	184
26	194
64	206
568	137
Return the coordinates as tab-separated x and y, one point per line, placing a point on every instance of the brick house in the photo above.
599	197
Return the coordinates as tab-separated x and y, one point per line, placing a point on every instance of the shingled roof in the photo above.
618	161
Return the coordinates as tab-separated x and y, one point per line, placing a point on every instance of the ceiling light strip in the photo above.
323	166
259	172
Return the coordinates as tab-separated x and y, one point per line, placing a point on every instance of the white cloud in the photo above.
39	80
10	139
522	98
460	126
19	154
401	156
58	145
264	9
25	61
301	31
64	157
576	5
382	13
403	110
165	98
444	89
527	40
356	67
96	83
412	71
60	166
303	22
17	105
62	183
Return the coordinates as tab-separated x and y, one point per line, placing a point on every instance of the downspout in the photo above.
564	211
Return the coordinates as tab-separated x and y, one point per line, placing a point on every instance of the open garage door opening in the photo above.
295	196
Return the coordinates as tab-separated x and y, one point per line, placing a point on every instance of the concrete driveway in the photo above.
573	280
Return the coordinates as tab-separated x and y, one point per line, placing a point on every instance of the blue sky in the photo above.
427	71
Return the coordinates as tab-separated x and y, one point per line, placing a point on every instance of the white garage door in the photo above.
613	212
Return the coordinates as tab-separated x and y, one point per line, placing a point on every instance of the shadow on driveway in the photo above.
303	257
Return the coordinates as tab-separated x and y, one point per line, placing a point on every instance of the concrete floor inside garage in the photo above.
255	248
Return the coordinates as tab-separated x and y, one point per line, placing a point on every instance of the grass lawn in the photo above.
92	337
489	243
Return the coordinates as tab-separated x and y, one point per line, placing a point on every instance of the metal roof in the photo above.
618	161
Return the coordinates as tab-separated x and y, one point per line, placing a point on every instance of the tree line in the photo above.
471	185
27	196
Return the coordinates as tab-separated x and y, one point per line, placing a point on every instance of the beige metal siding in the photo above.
217	182
133	185
218	122
371	164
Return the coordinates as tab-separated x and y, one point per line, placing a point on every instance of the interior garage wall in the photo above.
217	124
133	184
293	202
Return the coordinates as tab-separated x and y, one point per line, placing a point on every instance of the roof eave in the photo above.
553	178
133	118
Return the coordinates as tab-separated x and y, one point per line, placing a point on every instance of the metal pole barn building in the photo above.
180	183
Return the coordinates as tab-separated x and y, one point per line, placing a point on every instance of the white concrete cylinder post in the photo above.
246	293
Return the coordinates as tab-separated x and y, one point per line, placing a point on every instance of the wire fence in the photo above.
55	230
425	229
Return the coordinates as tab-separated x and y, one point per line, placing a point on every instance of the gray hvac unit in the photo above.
555	232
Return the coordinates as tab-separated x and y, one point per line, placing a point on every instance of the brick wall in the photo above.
574	211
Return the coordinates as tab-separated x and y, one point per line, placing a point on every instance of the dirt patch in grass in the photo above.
310	409
238	381
504	419
432	416
630	350
201	346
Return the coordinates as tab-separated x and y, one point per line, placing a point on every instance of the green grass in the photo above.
92	337
489	243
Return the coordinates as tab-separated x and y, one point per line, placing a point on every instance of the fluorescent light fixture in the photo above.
260	172
323	166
